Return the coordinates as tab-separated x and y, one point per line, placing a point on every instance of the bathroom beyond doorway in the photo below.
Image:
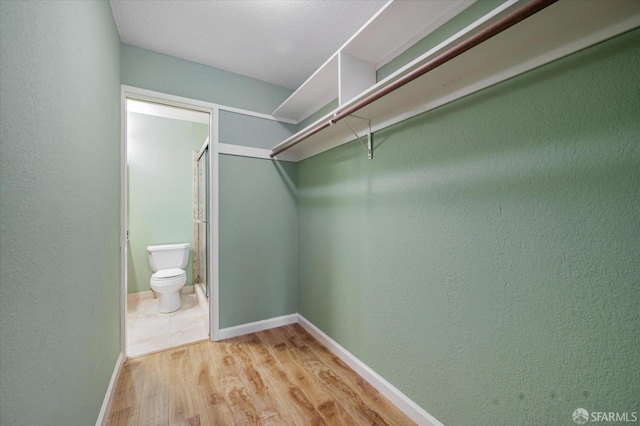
163	143
150	331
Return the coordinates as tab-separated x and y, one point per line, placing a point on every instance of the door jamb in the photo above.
213	229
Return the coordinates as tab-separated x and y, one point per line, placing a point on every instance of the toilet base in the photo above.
169	302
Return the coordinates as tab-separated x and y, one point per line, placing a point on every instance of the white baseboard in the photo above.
108	397
253	327
150	294
400	400
141	295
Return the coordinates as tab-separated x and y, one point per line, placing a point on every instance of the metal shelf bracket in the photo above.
369	144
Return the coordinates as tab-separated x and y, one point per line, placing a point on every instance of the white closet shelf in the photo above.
557	31
319	89
393	29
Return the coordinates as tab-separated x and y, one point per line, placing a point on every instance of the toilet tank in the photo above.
168	256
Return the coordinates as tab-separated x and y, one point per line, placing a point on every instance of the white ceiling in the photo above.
278	41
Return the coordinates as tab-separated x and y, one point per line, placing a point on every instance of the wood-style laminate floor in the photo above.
275	377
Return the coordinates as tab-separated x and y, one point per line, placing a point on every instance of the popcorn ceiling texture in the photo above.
486	261
60	210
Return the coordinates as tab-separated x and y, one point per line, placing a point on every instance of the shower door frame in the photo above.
130	92
205	155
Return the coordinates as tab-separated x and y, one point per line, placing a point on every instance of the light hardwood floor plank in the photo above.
183	406
154	403
286	390
126	398
277	377
326	404
213	408
249	388
269	392
374	408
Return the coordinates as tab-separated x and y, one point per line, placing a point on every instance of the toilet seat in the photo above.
166	274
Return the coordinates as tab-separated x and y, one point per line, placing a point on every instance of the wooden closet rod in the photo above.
508	21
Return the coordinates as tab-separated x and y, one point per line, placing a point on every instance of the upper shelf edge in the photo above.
596	23
397	21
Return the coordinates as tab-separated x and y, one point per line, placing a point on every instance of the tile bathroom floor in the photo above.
150	331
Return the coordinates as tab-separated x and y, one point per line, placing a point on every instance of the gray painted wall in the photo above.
60	210
486	262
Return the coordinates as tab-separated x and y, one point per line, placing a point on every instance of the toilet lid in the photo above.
168	273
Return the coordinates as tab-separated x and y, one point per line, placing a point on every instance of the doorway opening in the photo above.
167	176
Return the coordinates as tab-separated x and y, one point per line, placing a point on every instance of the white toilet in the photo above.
168	263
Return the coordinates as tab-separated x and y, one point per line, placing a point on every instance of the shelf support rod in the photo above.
369	144
508	21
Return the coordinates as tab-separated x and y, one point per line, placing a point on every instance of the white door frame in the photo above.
213	229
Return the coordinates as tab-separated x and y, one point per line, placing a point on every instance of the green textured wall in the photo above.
59	210
247	292
460	21
331	106
246	130
155	71
486	261
160	189
258	240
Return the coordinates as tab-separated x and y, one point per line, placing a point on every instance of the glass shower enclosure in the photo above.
202	219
